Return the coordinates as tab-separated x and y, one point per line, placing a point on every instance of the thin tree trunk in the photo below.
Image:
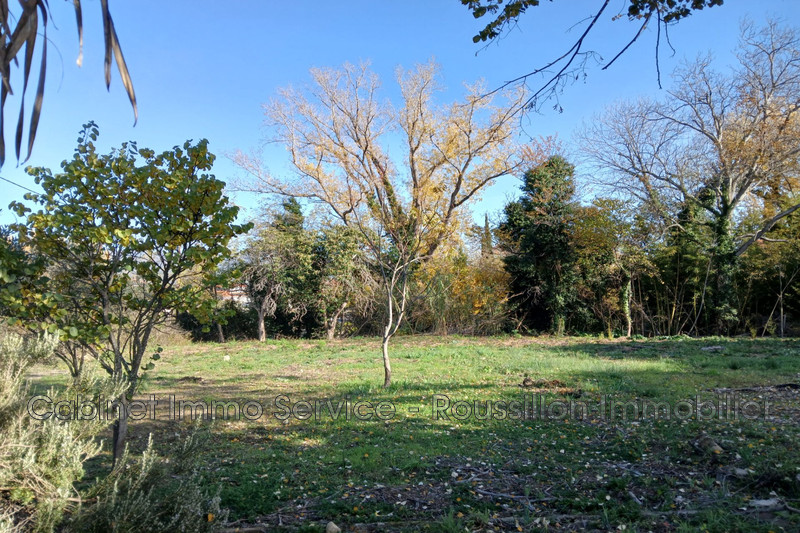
387	366
262	330
331	329
120	433
783	319
782	289
625	300
387	331
387	334
220	333
702	301
779	303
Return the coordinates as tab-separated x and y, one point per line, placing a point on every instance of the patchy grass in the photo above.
417	473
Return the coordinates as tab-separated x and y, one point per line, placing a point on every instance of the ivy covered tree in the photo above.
123	239
536	237
276	266
343	279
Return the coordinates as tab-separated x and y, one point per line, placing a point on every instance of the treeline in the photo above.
692	230
550	265
612	267
293	280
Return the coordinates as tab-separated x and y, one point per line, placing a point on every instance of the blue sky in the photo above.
202	69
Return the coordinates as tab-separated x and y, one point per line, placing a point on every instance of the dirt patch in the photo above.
529	383
549	386
341	361
190	379
299	372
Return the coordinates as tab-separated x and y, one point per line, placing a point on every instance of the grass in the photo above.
417	473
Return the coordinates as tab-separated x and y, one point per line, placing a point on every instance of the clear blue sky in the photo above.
203	68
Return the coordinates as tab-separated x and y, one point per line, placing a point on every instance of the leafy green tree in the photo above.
610	255
276	266
343	279
536	236
127	238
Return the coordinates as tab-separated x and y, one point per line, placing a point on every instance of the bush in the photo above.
241	323
40	460
152	494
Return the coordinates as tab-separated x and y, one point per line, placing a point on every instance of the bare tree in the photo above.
718	143
337	133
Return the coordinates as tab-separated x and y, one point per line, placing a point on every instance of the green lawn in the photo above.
414	472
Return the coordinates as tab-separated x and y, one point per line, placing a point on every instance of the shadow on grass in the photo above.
416	468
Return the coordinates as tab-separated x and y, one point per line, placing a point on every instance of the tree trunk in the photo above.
724	257
625	301
780	300
120	429
262	330
330	330
220	333
387	367
73	356
331	323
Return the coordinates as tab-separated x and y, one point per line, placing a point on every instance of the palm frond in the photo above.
20	29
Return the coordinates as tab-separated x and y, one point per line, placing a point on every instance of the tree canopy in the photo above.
716	146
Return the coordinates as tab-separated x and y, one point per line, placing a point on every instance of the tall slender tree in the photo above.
536	235
337	134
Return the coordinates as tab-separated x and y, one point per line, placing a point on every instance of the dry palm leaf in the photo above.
33	16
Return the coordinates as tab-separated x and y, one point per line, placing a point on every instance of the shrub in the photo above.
240	323
152	494
40	460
